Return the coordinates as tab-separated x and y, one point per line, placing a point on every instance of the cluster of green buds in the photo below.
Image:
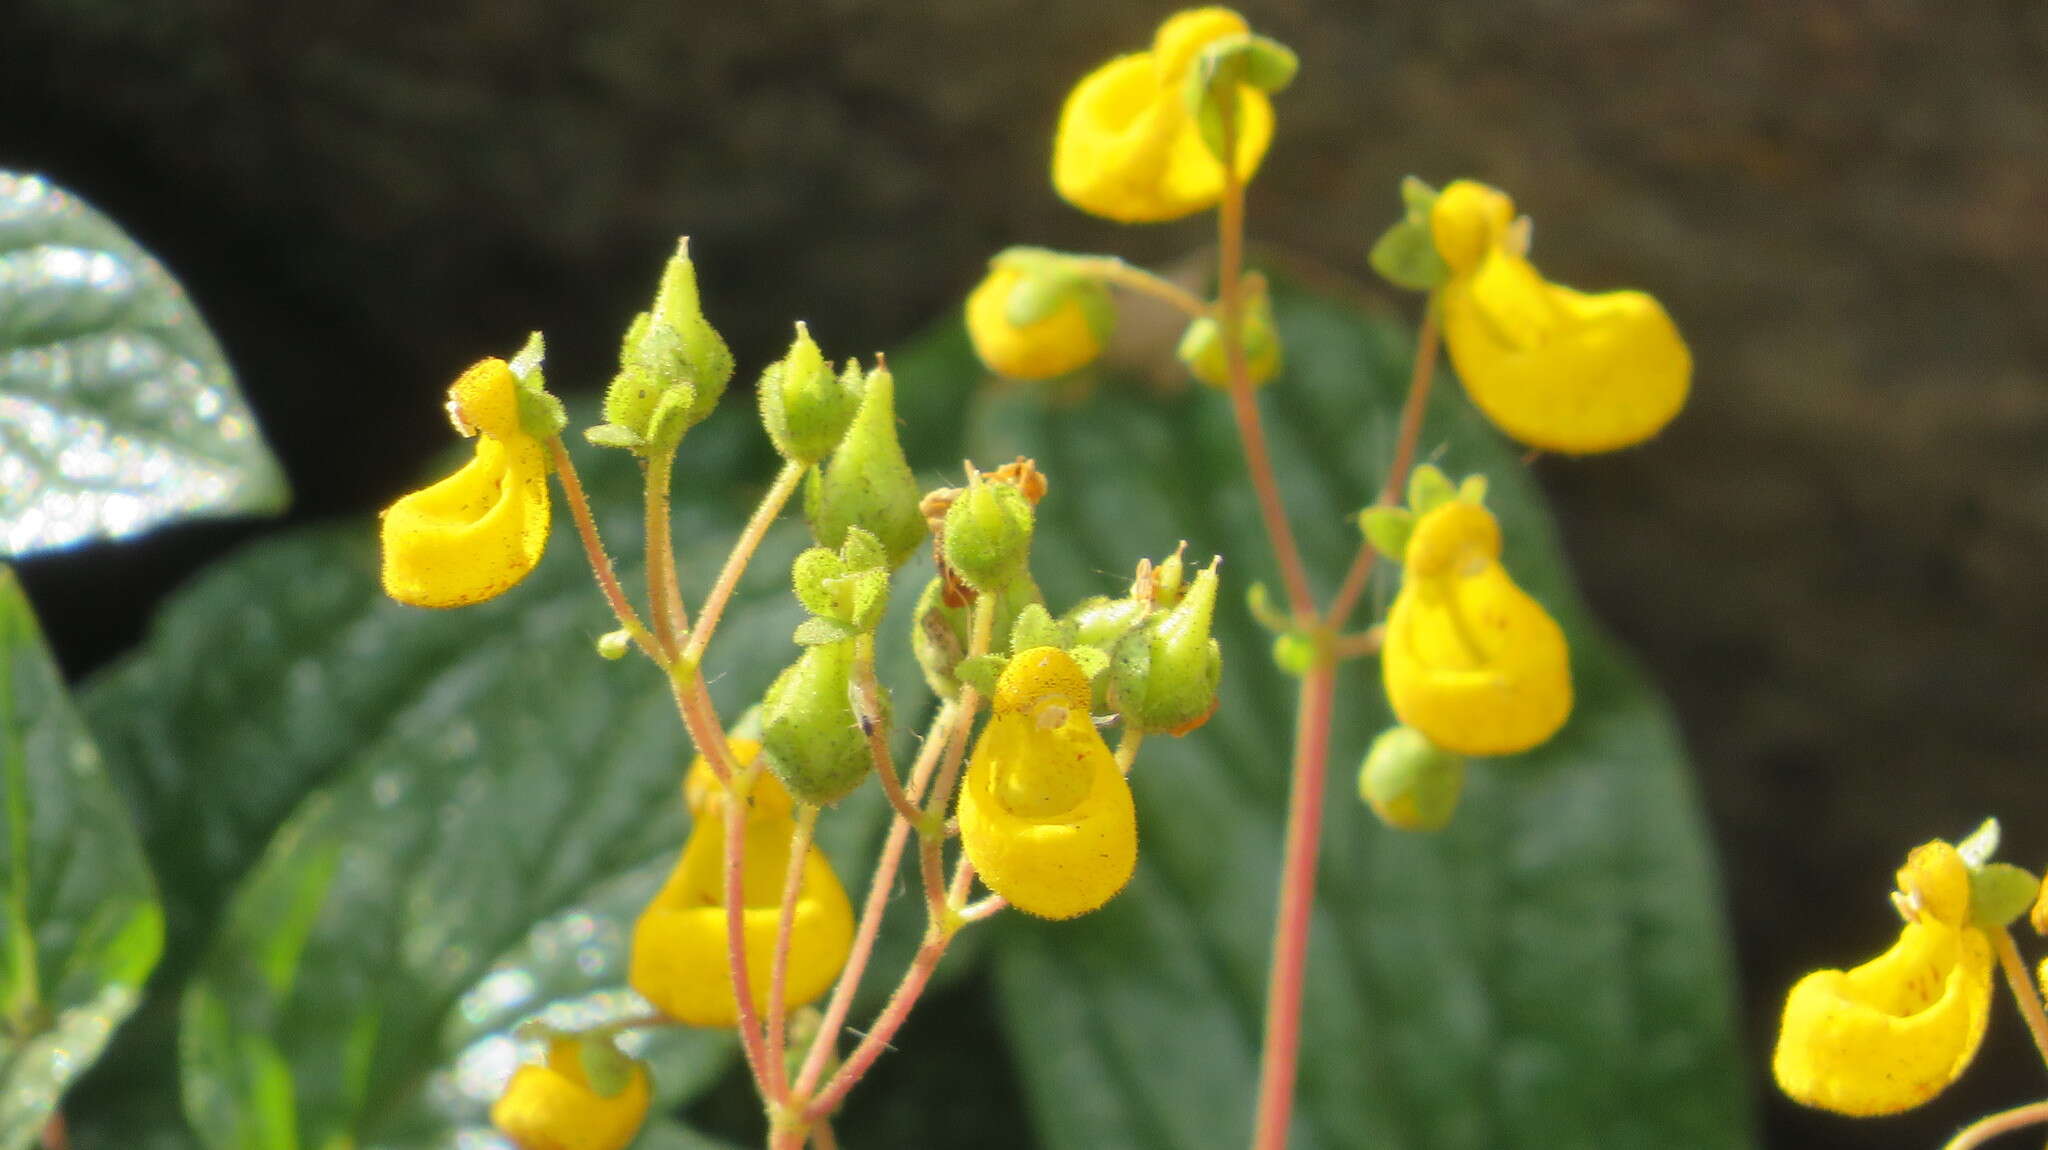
813	721
864	481
1149	654
673	367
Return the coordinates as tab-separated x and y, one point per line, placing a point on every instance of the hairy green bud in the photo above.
939	634
988	535
867	481
849	587
1102	622
1164	673
810	735
673	366
1410	782
805	408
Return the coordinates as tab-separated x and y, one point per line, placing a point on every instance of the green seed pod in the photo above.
809	733
1410	782
867	481
1163	675
805	408
939	634
988	535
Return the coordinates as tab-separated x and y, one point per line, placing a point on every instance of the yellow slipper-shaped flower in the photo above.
1554	368
1891	1034
1045	815
1064	340
555	1107
1128	149
475	534
679	944
1470	660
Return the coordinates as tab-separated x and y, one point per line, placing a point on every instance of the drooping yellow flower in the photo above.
1045	815
473	535
1470	660
1065	340
1128	148
1555	368
679	944
555	1107
1892	1033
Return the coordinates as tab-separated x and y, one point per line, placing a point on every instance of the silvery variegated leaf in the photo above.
117	409
80	925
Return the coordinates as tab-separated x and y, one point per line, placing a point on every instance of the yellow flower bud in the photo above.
1891	1034
472	536
556	1107
1045	815
679	944
1470	660
1066	338
1555	368
1128	147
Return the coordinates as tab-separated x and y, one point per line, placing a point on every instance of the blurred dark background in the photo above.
1831	561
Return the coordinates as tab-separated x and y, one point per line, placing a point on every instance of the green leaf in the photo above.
490	809
1999	893
124	414
668	1134
80	926
1405	255
1548	971
1388	528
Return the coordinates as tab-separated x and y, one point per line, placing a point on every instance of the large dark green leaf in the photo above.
117	410
1549	972
80	927
490	806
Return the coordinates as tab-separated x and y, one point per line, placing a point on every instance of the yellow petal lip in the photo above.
679	956
477	533
1555	368
553	1107
1046	816
1892	1033
1127	149
472	536
1470	659
1061	342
